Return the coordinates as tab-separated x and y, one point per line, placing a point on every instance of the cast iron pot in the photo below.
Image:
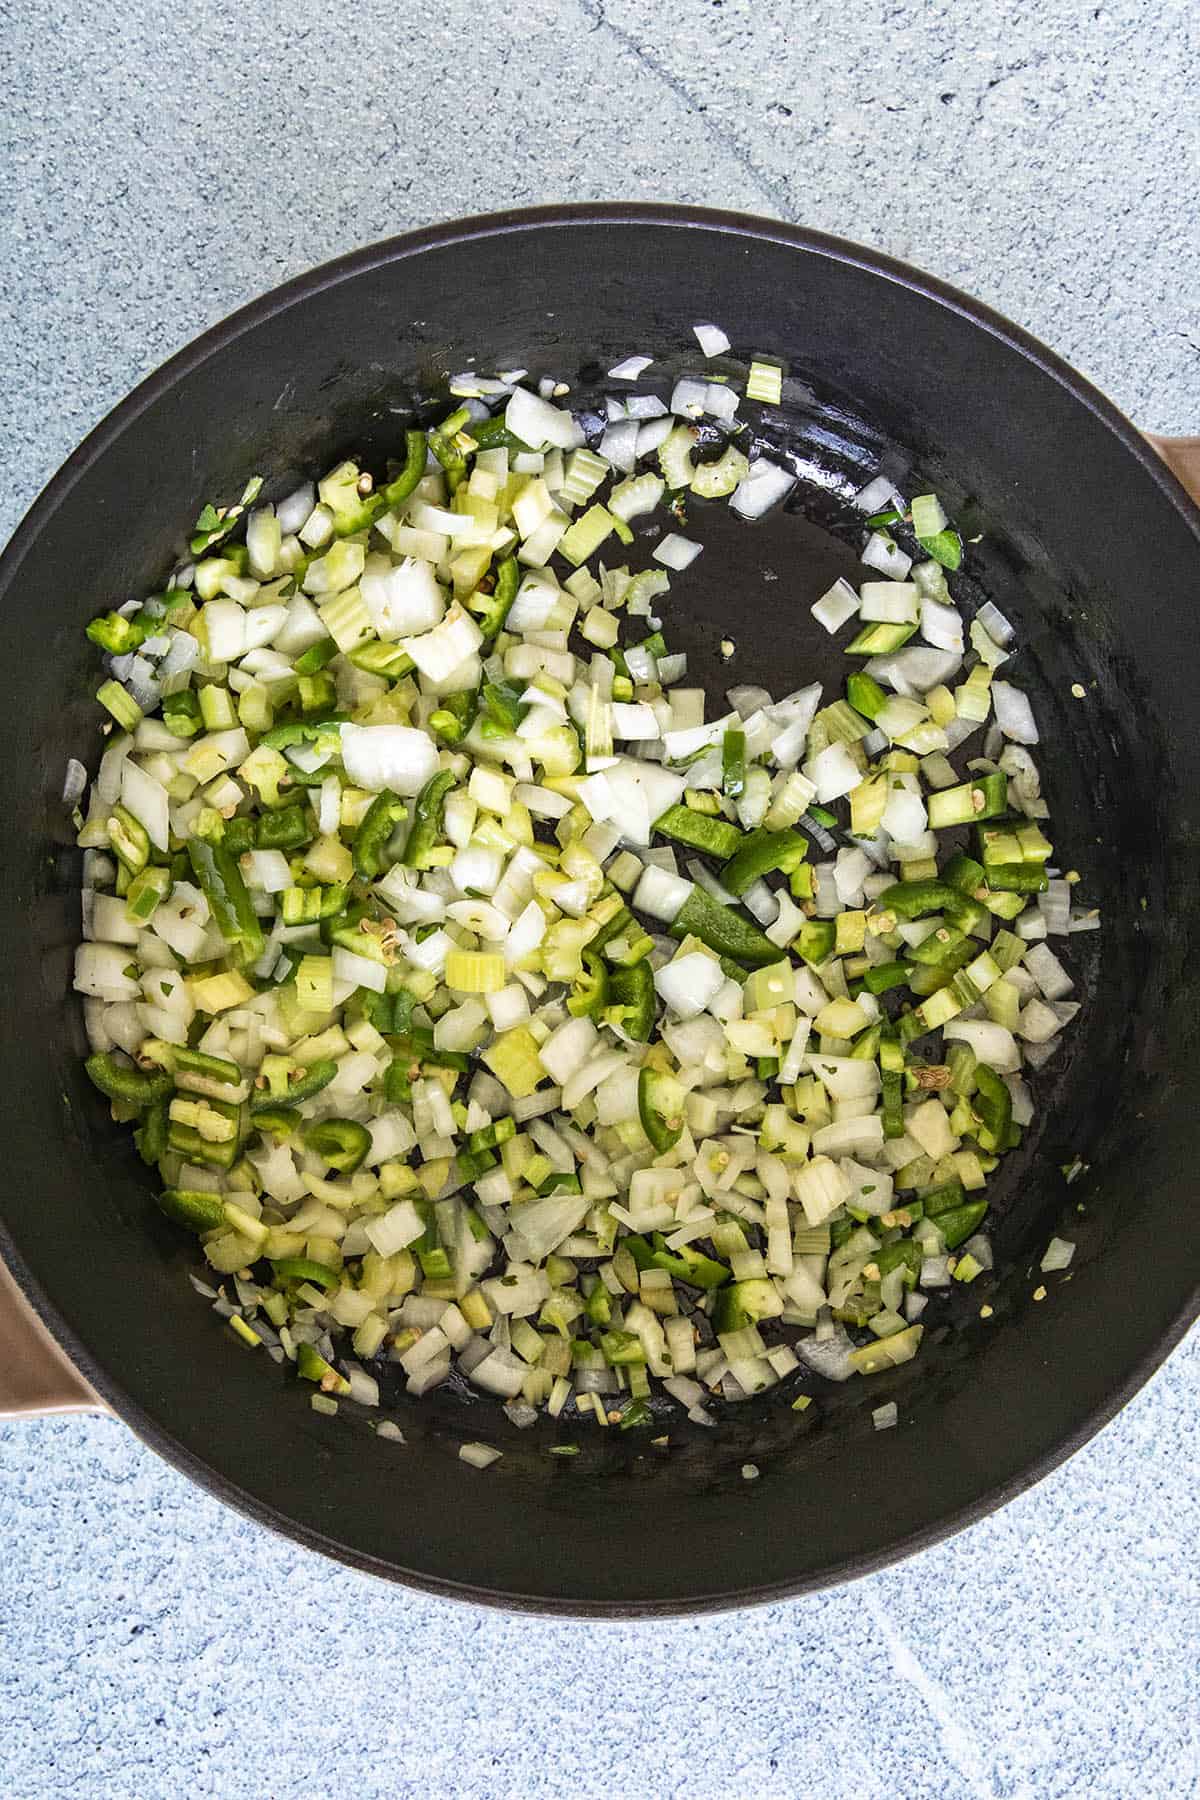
1088	543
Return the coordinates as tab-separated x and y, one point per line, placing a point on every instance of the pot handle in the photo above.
1182	457
37	1377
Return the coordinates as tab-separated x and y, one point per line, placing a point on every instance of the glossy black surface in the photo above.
1087	544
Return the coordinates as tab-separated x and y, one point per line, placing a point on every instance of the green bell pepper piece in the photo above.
723	930
761	854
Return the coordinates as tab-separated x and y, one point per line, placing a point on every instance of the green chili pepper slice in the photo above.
957	1225
912	899
311	1366
733	762
944	1198
1017	878
761	854
622	1348
723	930
317	1076
493	434
371	838
146	893
303	1268
121	1081
189	1206
342	1143
129	839
306	731
239	836
388	660
308	906
392	492
454	717
865	694
503	705
447	452
286	829
632	995
508	580
151	1135
992	1102
119	635
181	713
885	976
279	1121
228	897
316	693
660	1108
590	993
699	831
314	659
428	814
687	1264
636	1413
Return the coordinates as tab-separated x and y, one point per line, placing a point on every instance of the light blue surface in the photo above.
159	166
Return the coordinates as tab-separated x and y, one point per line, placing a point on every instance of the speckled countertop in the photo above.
158	168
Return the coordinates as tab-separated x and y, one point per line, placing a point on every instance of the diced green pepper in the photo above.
700	831
660	1108
761	854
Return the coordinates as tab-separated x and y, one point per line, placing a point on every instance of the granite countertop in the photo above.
159	168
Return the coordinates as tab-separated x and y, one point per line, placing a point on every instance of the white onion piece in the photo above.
881	552
688	397
942	626
721	401
833	772
567	1049
850	871
183	653
1014	714
147	800
995	624
661	895
711	339
761	902
836	606
268	870
440	652
1052	979
746	701
388	756
100	972
830	1357
914	670
74	781
620	443
904	817
629	369
358	971
687	984
766	484
676	552
645	406
877	496
993	1044
652	433
1055	907
402	599
293	512
539	424
1059	1254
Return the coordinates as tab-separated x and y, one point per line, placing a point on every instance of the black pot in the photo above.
1086	542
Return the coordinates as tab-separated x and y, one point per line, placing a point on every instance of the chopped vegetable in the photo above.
488	1002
